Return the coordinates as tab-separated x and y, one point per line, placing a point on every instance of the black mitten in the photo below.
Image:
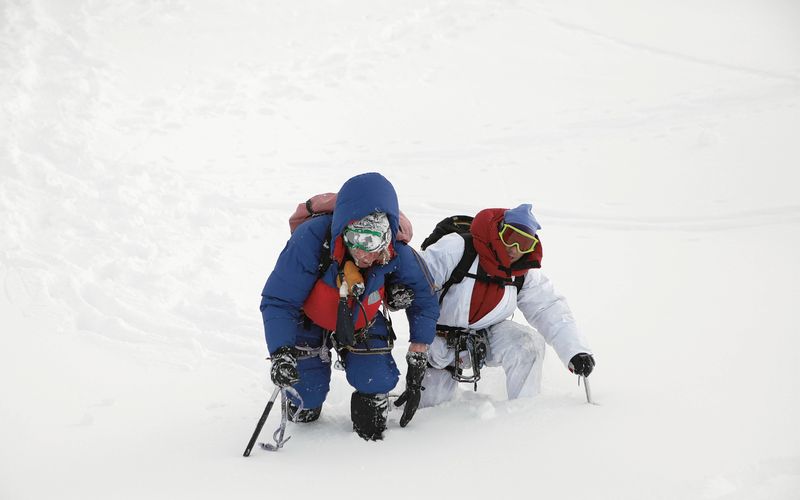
399	296
284	367
581	364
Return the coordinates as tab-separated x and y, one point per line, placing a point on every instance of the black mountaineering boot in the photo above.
306	414
368	412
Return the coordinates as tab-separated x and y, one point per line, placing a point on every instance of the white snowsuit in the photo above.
517	348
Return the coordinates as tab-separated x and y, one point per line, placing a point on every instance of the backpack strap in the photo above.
325	257
519	281
462	270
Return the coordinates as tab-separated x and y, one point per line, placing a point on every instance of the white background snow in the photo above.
151	152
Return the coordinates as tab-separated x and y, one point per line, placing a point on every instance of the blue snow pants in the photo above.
367	373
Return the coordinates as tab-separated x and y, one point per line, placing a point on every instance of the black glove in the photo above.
284	367
581	364
417	363
399	296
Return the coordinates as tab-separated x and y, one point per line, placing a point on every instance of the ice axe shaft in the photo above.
261	421
587	389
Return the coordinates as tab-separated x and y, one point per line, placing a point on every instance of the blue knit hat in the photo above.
522	218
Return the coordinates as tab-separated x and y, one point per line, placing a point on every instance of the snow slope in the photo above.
151	152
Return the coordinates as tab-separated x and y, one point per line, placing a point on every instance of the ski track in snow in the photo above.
773	75
741	220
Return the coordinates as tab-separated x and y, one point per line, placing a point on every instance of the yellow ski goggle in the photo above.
512	236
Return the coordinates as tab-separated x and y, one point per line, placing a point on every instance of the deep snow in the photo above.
152	152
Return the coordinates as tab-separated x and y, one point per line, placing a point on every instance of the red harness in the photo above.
321	305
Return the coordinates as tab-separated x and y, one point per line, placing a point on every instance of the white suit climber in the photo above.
508	251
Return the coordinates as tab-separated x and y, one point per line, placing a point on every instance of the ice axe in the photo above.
261	421
587	388
278	435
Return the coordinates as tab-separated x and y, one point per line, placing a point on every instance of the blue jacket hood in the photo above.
362	195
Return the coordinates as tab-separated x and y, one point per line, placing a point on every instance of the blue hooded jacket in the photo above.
297	269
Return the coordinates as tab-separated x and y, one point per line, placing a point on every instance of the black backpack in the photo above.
460	224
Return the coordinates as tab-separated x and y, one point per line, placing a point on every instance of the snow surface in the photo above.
152	151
